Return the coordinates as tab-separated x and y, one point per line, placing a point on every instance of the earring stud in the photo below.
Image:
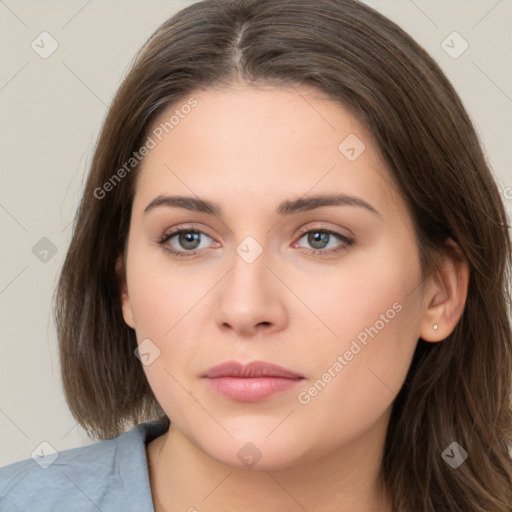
435	327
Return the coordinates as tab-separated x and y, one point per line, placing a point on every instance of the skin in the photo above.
248	149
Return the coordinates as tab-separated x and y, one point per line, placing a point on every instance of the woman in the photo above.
292	258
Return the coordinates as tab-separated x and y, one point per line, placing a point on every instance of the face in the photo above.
329	290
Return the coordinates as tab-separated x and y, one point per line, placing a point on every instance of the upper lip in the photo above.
253	369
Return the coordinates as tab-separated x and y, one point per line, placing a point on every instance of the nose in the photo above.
251	299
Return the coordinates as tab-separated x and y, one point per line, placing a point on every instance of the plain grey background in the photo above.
52	109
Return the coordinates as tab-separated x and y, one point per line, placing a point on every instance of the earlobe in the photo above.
445	295
125	300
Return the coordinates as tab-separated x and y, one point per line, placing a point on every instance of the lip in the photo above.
250	382
253	369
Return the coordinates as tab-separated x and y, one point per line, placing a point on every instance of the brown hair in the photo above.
457	390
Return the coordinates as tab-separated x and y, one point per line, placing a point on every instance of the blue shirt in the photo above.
110	475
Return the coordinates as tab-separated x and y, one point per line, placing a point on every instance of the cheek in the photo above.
374	309
371	294
161	294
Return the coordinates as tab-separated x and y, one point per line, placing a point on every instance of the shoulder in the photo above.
106	475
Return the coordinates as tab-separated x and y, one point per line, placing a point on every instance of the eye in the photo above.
320	238
188	239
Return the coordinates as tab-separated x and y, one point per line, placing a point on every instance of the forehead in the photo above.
262	144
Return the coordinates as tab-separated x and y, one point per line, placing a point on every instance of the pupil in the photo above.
318	237
188	238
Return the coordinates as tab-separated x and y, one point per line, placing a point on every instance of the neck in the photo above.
184	478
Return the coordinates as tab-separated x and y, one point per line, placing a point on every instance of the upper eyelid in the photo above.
174	231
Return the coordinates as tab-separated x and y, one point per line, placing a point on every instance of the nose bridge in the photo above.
250	266
249	296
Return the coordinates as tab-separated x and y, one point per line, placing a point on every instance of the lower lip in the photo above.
253	389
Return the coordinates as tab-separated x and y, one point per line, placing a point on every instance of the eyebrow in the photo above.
288	207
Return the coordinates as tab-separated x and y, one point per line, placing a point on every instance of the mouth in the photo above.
251	382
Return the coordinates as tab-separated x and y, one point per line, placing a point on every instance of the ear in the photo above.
125	300
445	294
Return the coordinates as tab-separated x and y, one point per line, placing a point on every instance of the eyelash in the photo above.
347	242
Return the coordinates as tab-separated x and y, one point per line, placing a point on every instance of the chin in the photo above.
256	453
